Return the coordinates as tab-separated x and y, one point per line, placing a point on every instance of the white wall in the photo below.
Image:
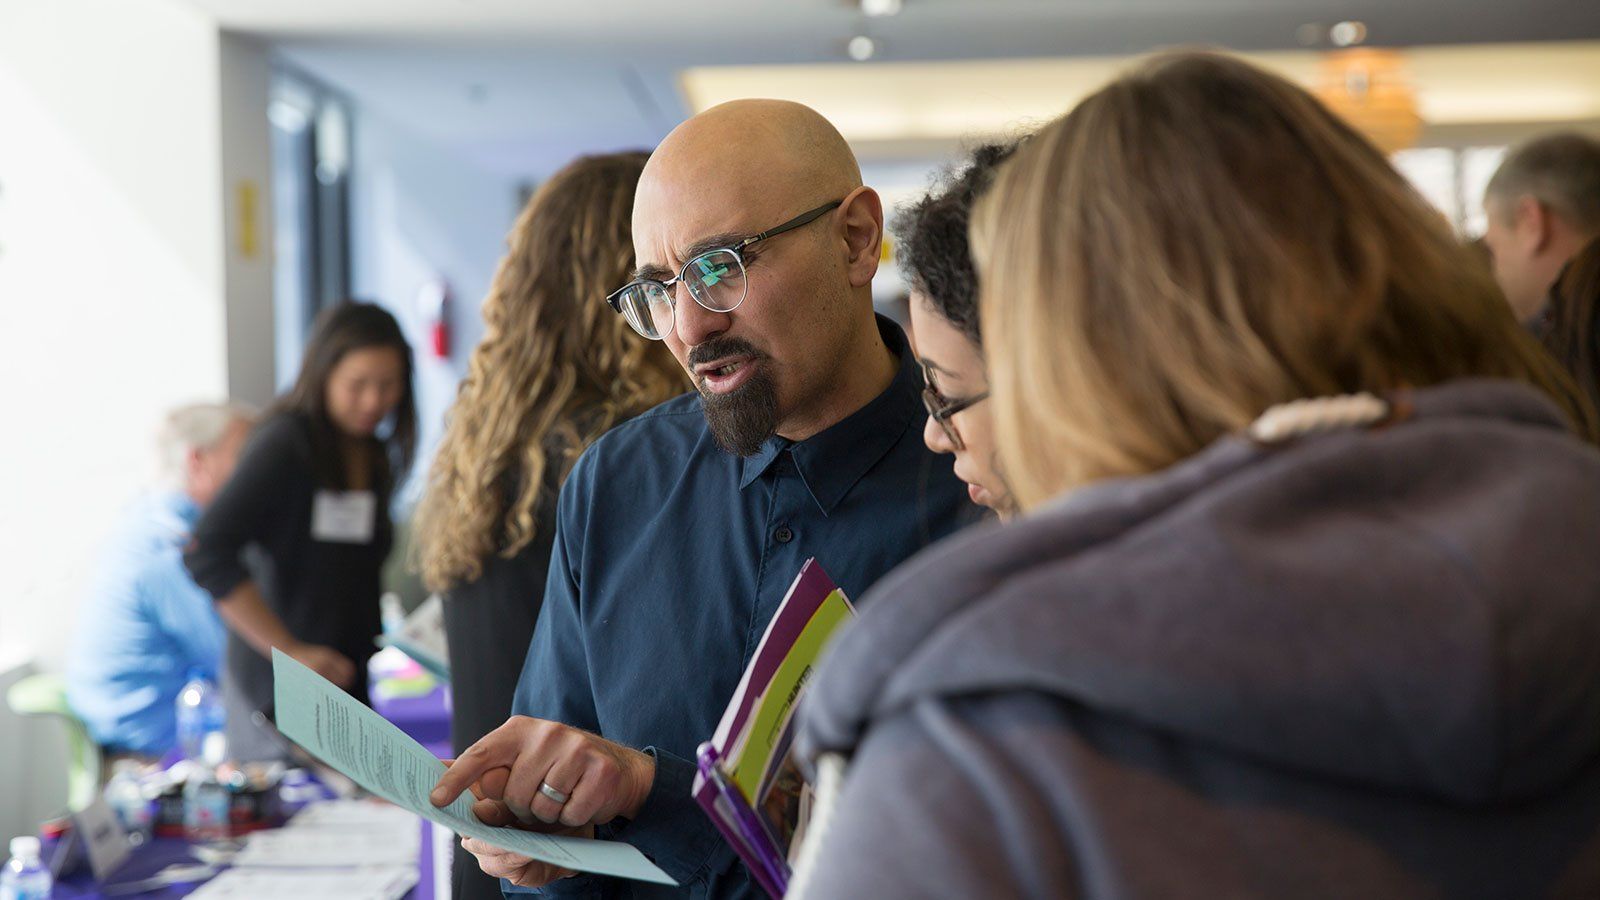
110	282
112	285
419	212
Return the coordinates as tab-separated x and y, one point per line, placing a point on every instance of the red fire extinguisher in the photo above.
433	301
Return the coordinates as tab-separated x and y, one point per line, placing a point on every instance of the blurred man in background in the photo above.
145	624
1543	206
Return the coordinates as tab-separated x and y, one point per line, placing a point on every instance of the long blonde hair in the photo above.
1201	240
555	370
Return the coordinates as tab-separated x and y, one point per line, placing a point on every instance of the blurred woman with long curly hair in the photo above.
555	370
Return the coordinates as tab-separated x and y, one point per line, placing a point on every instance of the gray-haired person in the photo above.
145	624
1543	206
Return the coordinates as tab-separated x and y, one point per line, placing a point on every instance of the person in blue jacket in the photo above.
145	623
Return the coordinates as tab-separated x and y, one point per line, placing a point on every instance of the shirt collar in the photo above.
833	460
178	511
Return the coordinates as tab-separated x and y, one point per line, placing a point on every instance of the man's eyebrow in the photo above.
652	272
930	364
656	272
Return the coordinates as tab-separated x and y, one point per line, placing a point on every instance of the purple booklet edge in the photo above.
705	794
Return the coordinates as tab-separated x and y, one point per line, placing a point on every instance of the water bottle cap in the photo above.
26	845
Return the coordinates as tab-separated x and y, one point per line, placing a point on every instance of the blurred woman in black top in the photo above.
555	370
292	547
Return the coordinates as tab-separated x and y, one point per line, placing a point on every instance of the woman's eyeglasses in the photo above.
941	408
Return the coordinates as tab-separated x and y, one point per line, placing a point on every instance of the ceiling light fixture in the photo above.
1347	34
879	8
1373	90
862	48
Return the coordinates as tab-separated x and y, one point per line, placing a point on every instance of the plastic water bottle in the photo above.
25	877
392	613
202	719
207	807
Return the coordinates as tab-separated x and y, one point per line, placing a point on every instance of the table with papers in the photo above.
333	848
349	849
357	849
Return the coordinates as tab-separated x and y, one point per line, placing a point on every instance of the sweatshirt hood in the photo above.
1412	607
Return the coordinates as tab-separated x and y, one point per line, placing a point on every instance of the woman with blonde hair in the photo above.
1302	598
555	370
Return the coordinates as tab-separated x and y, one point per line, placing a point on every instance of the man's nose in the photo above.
694	323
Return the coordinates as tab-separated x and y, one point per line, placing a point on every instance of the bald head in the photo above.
776	326
750	160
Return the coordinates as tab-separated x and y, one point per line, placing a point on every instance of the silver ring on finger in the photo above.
552	794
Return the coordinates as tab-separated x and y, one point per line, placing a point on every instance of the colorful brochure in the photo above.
749	783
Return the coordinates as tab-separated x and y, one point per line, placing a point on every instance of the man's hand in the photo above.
601	780
514	867
325	661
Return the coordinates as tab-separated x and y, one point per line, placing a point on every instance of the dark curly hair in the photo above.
932	234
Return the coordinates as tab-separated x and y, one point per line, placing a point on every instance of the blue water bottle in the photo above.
25	876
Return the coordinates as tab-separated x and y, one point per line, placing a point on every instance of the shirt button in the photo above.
783	535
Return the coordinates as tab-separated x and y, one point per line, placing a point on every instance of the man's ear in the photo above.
194	465
1533	223
862	216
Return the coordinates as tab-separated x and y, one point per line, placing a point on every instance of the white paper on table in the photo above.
380	757
371	883
107	843
325	848
349	813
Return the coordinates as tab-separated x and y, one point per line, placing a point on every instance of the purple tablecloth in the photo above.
426	718
162	852
145	862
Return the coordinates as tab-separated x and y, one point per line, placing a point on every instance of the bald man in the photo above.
679	532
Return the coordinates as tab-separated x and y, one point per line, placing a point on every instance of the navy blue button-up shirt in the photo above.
670	557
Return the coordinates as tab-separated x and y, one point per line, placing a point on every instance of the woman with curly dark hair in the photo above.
944	325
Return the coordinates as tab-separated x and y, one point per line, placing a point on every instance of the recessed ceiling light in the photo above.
1347	34
861	48
881	7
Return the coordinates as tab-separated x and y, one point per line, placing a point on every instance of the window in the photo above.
310	197
1453	179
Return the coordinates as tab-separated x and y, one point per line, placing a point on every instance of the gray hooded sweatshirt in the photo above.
1360	664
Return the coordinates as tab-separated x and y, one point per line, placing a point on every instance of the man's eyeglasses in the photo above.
941	408
715	278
